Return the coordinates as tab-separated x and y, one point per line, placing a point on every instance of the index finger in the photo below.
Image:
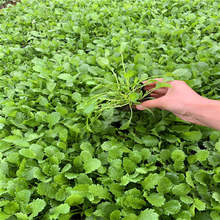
151	85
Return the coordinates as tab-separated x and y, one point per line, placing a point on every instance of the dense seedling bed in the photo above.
2	2
67	148
5	3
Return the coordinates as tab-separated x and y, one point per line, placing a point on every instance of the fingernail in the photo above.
140	107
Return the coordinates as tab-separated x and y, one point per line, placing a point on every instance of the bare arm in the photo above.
206	113
185	103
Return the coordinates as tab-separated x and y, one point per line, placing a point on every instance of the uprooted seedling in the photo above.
123	92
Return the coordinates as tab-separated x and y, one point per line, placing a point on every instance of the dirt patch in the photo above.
9	3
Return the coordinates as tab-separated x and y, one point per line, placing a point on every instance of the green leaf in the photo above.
216	196
130	217
45	189
77	97
129	165
129	74
21	216
63	133
16	140
186	199
91	165
75	199
104	209
202	155
178	155
184	215
156	199
200	205
183	74
193	136
189	180
164	185
11	208
27	153
150	141
4	216
148	214
217	146
162	85
86	146
62	110
172	207
62	209
115	171
66	77
202	177
37	206
59	210
151	181
51	85
98	191
123	46
134	96
89	108
132	199
125	125
181	189
13	158
115	215
53	118
102	61
215	215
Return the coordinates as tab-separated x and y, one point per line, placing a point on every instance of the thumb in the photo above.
156	103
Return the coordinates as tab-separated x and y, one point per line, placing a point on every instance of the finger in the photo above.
154	95
158	93
151	85
161	91
156	103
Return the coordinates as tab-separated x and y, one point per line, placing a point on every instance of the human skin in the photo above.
185	103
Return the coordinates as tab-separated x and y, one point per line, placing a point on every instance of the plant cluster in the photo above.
66	149
2	2
6	3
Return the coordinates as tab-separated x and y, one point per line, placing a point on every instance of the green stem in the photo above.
131	116
116	78
75	213
123	65
113	106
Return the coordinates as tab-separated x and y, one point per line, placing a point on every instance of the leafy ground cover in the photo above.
58	160
6	3
3	1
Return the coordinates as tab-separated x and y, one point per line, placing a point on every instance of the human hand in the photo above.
178	99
